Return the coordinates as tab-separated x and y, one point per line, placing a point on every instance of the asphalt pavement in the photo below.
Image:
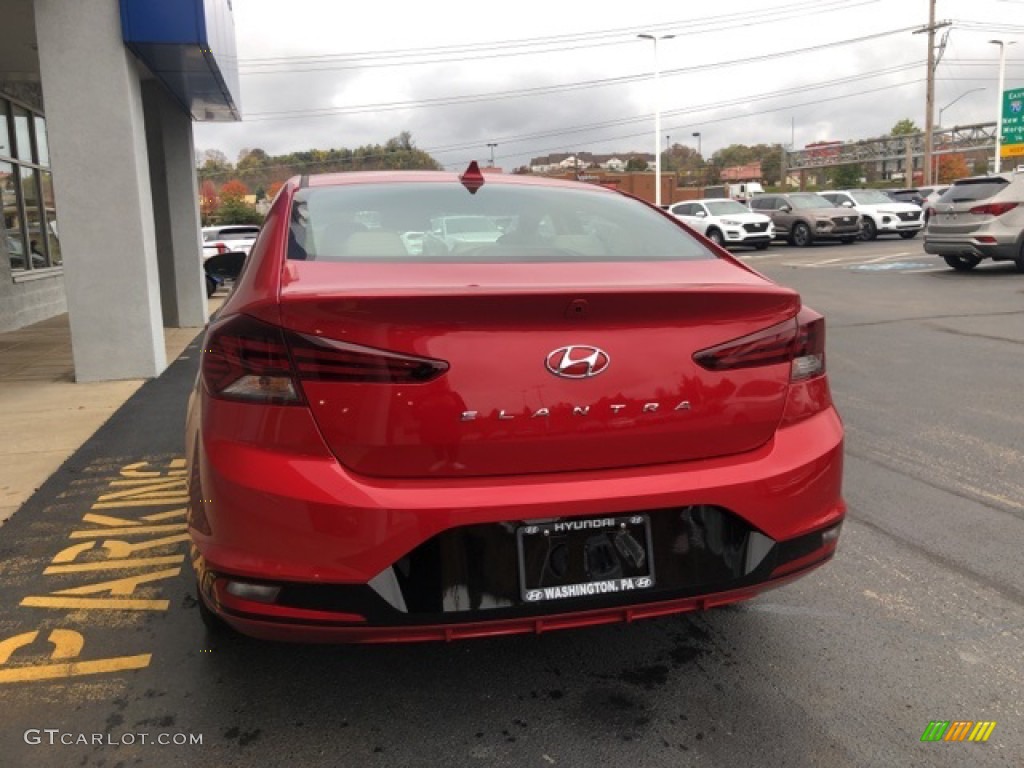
919	618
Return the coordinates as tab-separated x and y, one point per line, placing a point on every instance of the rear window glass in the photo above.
443	222
973	189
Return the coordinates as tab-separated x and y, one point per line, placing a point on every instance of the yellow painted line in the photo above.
125	586
135	469
74	669
171	527
153	502
166	486
108	521
103	565
95	603
154	518
983	730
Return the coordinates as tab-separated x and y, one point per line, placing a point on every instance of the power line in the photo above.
505	140
540	90
532	46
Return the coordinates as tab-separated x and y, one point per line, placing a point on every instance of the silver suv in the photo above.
981	217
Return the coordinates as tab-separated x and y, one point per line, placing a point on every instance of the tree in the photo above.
234	210
209	201
636	164
981	166
903	127
953	167
273	189
233	190
846	176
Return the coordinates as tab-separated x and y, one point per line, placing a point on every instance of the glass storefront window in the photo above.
5	137
34	218
22	135
49	207
42	145
13	233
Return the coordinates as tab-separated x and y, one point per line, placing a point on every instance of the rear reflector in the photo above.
993	209
248	360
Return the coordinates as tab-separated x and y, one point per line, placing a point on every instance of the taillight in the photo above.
246	359
993	209
318	359
221	248
799	342
249	360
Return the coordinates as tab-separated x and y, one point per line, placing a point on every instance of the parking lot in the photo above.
920	617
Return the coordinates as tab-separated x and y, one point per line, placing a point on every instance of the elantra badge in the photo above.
577	361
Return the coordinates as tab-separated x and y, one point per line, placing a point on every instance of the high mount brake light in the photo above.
248	360
993	209
800	342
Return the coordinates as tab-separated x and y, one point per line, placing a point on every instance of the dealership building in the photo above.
97	169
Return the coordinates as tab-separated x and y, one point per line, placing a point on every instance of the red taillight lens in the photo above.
319	359
799	342
249	360
246	359
993	209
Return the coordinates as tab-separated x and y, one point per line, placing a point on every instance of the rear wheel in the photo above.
909	235
211	286
715	236
1019	261
963	263
801	235
868	230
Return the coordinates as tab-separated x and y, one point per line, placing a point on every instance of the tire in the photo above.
800	235
761	246
963	263
909	235
868	229
211	286
715	236
1019	261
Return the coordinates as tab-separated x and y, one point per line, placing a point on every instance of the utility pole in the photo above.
929	110
492	146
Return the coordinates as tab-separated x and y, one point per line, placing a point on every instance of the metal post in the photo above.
657	116
492	146
999	99
929	110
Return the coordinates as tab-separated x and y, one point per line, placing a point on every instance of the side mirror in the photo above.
785	208
225	265
701	214
847	204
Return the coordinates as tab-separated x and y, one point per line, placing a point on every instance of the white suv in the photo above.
879	213
228	237
726	222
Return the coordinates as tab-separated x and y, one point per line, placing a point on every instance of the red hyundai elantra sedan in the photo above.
440	406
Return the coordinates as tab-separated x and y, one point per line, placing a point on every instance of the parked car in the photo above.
879	214
804	217
726	222
928	206
608	421
230	237
914	196
981	217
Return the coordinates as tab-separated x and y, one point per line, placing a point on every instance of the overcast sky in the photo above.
565	77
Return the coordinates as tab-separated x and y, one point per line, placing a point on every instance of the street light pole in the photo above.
999	98
657	116
696	135
492	146
935	174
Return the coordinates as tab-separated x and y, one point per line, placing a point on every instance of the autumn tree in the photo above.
209	201
953	167
233	190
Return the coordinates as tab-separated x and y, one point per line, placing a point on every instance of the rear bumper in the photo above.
303	522
968	245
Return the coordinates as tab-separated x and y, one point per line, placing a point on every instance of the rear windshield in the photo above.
969	190
443	222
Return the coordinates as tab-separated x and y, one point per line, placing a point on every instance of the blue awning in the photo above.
189	45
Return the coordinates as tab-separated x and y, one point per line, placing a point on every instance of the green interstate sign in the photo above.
1012	142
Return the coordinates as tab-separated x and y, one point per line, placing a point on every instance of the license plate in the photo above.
563	559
